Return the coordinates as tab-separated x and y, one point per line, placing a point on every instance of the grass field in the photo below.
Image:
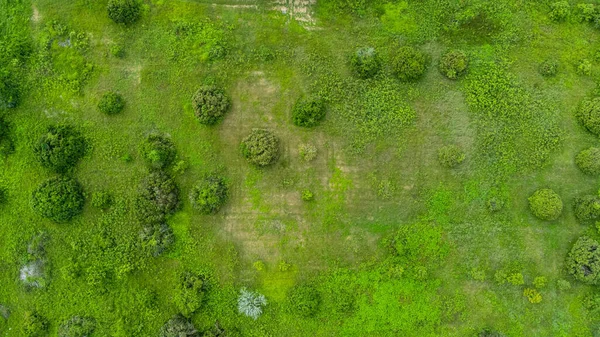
376	179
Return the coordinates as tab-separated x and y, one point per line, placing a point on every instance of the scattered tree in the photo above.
451	156
124	11
58	199
77	326
190	295
583	262
210	104
545	204
453	64
111	103
158	151
588	114
587	208
157	238
308	111
365	62
60	148
304	300
158	197
251	303
178	326
588	161
261	147
209	194
409	64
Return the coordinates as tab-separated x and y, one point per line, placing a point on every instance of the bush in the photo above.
560	10
250	303
157	238
587	208
6	144
365	62
515	279
209	195
210	104
77	326
102	199
588	114
190	295
9	93
450	156
58	199
548	68
35	325
158	151
111	103
304	300
540	282
583	261
588	161
60	148
545	204
409	64
261	147
584	67
308	152
307	195
178	326
158	196
453	64
532	295
308	111
124	11
563	285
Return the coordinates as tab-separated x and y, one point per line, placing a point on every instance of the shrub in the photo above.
158	151
560	10
588	114
158	196
584	67
6	143
111	103
9	92
586	12
284	266
124	11
308	111
548	68
587	208
34	325
261	147
178	326
563	285
532	295
588	161
409	64
210	104
77	326
259	265
308	152
539	282
157	238
450	156
307	195
583	261
58	199
304	300
515	279
209	194
545	204
251	303
453	64
60	148
365	62
102	199
190	295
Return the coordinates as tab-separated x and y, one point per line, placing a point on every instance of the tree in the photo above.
209	194
545	204
250	303
409	64
77	326
560	10
365	62
190	295
588	114
210	104
58	199
261	147
157	238
304	300
158	151
308	111
158	197
60	148
178	326
111	103
583	261
587	208
450	156
124	11
588	161
453	64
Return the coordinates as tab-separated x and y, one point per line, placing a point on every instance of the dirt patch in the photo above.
35	17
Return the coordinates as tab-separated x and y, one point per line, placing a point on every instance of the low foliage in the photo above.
545	204
548	68
409	64
77	326
261	147
365	62
451	156
304	300
158	197
209	194
124	11
158	151
178	326
210	104
453	64
308	111
308	152
111	103
588	114
58	199
102	199
583	261
489	333
251	303
35	325
9	91
588	161
157	238
533	296
587	208
191	292
307	195
60	148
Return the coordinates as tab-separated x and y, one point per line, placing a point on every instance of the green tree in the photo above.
111	103
453	64
210	104
60	148
308	111
58	199
409	64
124	11
583	261
261	147
209	194
365	62
545	204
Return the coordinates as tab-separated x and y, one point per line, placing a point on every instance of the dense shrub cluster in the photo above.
35	325
304	300
77	326
191	292
308	111
588	161
111	103
124	11
588	114
158	151
409	64
366	62
58	199
210	104
450	156
60	148
178	326
545	204
587	208
453	64
209	194
583	261
251	303
261	147
158	197
548	68
157	238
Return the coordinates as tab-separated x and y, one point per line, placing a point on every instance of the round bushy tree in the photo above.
366	62
210	104
548	68
111	103
588	161
308	111
158	196
588	114
450	156
124	11
304	300
158	151
583	262
60	148
77	326
58	199
545	204
178	326
587	208
261	147
453	64
209	194
409	64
